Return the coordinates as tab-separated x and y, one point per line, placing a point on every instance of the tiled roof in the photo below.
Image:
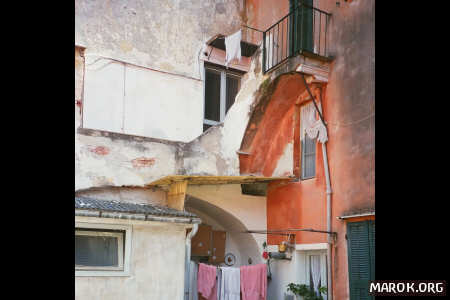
126	207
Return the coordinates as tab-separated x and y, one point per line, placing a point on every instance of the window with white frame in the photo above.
102	249
308	145
221	88
99	250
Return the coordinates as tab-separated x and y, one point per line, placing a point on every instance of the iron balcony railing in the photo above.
303	30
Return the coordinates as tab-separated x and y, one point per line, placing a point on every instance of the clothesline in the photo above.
229	283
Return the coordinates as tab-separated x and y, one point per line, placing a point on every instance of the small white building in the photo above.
129	251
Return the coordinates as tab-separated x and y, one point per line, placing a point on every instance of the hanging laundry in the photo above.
230	285
206	281
312	126
233	47
254	282
317	129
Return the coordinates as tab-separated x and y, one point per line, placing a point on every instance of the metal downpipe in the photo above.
328	189
187	266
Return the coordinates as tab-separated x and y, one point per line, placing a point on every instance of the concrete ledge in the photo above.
301	247
125	137
316	246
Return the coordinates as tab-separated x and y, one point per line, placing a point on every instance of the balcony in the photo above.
301	32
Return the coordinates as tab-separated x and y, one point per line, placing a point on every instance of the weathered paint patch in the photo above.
99	150
143	162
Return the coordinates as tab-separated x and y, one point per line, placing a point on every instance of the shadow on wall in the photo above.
242	245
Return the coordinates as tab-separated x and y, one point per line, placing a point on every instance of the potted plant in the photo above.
303	290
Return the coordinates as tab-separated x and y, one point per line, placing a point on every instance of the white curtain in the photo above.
315	271
310	125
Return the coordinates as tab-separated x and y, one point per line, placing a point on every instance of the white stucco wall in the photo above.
157	265
123	98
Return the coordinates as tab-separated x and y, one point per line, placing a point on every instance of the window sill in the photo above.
307	178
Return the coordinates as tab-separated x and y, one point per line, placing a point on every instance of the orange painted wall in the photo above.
348	108
274	128
261	14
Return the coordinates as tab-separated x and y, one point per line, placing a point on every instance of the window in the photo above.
221	88
316	271
308	145
361	258
98	250
102	249
301	25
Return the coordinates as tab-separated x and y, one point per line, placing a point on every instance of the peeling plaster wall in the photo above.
164	35
156	270
285	164
214	152
105	161
79	73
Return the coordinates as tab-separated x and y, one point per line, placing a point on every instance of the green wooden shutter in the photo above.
361	258
372	249
301	26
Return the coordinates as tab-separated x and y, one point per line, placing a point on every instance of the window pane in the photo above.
212	95
310	145
308	157
232	90
310	168
96	251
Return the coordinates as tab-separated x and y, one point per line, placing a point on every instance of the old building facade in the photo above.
172	145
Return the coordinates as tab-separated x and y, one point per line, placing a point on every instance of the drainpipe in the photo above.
328	188
328	191
187	267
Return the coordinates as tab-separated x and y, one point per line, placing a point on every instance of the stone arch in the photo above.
242	245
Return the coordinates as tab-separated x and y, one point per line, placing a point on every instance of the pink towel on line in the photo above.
254	282
206	281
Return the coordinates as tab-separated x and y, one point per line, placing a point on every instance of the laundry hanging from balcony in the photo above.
233	47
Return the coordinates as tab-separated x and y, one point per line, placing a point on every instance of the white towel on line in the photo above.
230	286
